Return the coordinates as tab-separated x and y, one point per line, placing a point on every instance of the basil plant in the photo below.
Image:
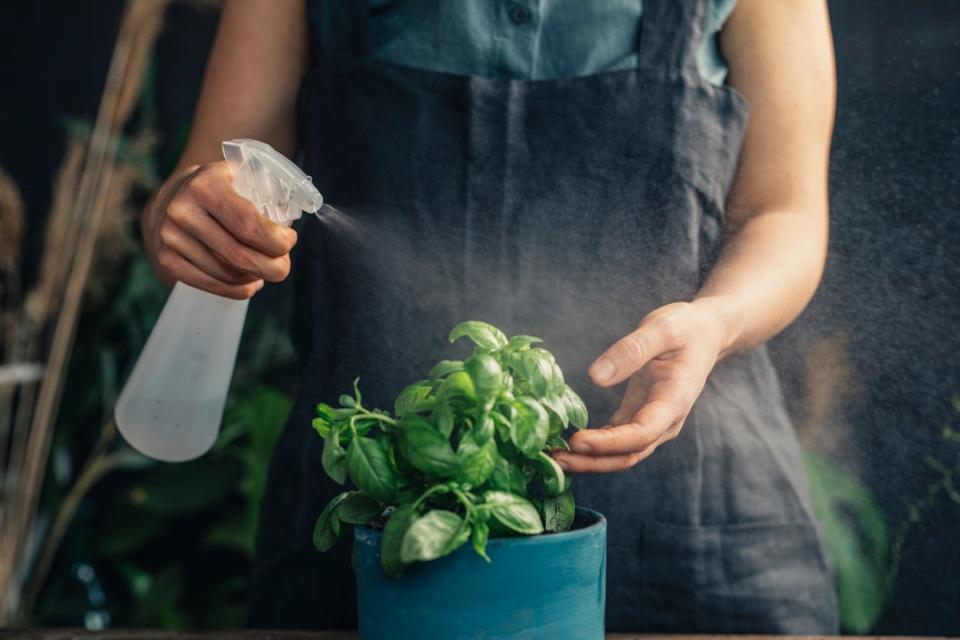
464	456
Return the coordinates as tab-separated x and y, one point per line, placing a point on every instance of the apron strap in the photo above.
338	31
671	32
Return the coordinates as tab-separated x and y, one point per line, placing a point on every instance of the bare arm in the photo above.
781	59
253	75
196	229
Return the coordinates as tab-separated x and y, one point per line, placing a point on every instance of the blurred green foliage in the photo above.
866	558
153	544
857	540
162	545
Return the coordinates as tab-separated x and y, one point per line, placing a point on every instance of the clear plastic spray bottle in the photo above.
172	404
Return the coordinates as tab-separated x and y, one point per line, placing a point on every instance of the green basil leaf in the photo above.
392	542
347	401
484	429
444	417
558	512
531	427
502	425
334	458
334	414
487	376
484	335
327	529
322	426
431	536
457	384
576	409
556	427
514	512
540	370
507	477
358	508
551	475
557	384
481	533
414	399
371	470
556	442
445	368
558	407
426	449
520	343
476	461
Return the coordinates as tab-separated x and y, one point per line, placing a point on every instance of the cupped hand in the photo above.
666	362
199	231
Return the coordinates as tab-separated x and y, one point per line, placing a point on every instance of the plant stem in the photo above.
467	503
98	464
379	417
429	492
363	413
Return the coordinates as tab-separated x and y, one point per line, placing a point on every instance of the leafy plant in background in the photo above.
865	559
464	457
119	540
164	545
857	540
944	484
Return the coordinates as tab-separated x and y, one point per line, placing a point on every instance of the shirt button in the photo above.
518	13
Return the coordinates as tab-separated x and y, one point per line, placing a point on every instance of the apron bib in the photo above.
567	209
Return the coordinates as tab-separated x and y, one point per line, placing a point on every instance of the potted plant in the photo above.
465	458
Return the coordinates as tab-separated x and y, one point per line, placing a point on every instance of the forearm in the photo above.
781	60
767	272
253	76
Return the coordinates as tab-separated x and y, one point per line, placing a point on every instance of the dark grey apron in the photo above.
566	209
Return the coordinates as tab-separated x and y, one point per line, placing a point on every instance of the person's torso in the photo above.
526	39
563	208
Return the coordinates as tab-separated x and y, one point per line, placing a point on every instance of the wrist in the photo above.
719	313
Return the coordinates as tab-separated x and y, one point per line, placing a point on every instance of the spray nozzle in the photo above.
265	177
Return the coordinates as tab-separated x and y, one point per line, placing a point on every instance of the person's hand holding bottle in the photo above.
199	231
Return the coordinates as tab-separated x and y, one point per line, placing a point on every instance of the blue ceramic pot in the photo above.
548	586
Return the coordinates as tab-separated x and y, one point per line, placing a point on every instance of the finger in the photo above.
201	225
629	354
177	239
212	188
653	420
185	271
582	463
633	398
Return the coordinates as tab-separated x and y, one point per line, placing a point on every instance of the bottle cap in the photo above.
265	177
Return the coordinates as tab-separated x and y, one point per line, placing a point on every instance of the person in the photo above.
641	184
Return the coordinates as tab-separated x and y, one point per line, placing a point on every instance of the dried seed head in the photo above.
11	223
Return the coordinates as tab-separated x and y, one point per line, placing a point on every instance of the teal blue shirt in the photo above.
524	39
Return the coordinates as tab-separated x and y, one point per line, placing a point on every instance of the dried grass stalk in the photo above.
11	246
59	243
11	223
42	302
85	207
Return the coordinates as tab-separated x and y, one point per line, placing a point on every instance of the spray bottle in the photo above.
172	404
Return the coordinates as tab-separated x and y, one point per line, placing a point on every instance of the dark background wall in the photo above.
893	281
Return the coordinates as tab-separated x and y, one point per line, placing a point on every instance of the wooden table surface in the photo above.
147	634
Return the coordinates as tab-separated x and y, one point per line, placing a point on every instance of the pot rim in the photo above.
598	527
